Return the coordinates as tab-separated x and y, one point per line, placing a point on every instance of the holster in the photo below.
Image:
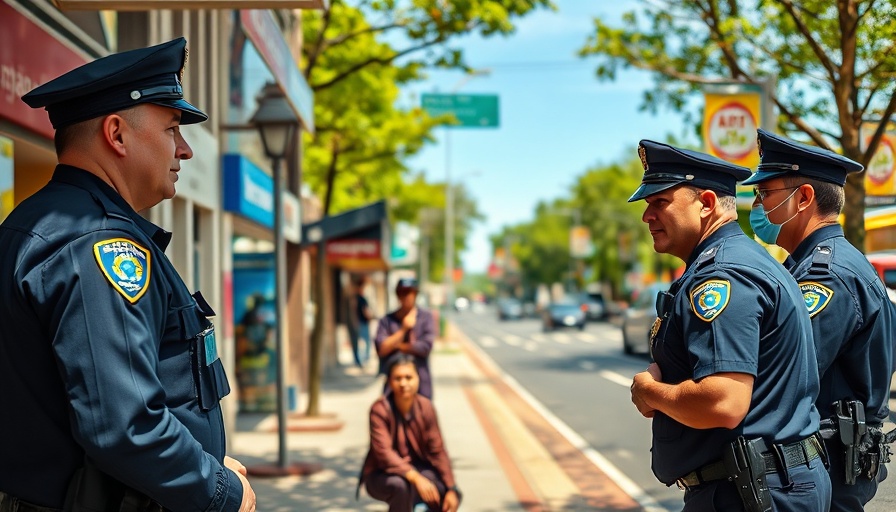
91	490
745	464
849	416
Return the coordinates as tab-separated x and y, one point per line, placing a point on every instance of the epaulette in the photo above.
706	257
821	258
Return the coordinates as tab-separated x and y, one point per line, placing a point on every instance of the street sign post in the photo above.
470	110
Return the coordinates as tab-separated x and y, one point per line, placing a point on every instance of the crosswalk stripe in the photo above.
559	337
531	346
488	341
512	340
587	337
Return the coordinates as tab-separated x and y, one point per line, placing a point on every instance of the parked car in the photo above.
509	308
637	320
594	305
563	314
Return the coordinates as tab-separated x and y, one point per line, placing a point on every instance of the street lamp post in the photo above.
277	124
449	201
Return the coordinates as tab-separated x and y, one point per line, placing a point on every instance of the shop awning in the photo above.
358	240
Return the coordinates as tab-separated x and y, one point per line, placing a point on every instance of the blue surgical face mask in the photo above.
766	230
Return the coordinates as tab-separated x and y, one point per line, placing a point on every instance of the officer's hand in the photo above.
248	503
638	382
237	466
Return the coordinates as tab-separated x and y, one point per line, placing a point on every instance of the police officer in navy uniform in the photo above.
799	195
110	378
734	382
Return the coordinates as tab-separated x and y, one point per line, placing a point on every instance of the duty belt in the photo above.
793	455
12	504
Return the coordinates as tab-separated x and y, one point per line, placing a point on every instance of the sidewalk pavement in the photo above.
505	458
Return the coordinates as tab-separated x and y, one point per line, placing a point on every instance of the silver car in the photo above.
638	319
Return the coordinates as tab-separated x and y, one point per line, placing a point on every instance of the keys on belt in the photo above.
793	454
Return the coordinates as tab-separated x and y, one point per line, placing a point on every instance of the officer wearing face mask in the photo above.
799	196
731	394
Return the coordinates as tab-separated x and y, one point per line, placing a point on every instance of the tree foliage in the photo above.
833	63
356	55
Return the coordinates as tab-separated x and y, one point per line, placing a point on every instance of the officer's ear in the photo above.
113	131
709	201
805	195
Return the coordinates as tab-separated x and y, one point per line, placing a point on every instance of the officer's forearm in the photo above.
717	401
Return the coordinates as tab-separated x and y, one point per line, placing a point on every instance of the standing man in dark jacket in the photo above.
410	330
732	391
110	379
799	195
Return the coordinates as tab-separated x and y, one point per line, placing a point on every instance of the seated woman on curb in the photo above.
407	463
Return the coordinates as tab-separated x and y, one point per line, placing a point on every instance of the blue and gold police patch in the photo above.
816	295
125	264
709	298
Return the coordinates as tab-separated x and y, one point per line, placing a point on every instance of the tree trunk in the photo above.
317	336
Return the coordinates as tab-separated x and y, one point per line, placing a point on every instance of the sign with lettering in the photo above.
29	56
730	121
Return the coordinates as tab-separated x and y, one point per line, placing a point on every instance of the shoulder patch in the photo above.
816	295
709	298
125	264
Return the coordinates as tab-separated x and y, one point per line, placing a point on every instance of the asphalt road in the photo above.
583	378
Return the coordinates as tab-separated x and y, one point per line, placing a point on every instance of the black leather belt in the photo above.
793	454
12	504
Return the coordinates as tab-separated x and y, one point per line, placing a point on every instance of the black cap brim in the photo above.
648	189
760	176
190	114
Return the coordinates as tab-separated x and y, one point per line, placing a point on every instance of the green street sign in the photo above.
470	110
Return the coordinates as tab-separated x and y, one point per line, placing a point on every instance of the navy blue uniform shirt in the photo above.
852	320
101	355
735	309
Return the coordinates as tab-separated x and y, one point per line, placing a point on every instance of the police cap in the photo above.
780	157
117	82
666	166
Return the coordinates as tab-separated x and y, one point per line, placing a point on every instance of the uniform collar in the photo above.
805	248
111	200
726	230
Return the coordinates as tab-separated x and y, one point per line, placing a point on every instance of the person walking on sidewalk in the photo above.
407	463
409	330
109	371
363	317
732	391
853	320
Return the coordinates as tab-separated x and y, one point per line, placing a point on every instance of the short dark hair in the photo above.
828	196
398	358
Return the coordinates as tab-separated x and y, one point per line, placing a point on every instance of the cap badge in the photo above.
710	298
642	153
125	264
135	95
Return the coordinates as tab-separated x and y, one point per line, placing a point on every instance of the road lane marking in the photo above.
488	341
512	340
560	337
647	502
587	365
531	346
538	337
615	377
586	337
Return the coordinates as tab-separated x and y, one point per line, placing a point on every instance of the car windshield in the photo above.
565	309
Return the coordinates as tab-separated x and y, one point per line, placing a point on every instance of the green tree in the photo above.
622	241
362	139
833	62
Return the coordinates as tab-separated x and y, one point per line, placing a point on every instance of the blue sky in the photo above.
556	119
